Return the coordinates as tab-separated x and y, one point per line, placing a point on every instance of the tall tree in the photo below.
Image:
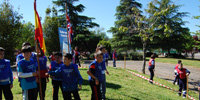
124	39
9	29
80	23
169	24
50	26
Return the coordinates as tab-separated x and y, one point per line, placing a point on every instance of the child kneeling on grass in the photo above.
95	76
26	73
70	76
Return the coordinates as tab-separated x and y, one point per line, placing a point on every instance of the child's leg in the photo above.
67	95
184	87
25	94
55	89
103	88
32	94
1	92
95	91
7	92
44	85
76	95
180	87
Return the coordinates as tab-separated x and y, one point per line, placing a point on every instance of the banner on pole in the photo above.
64	41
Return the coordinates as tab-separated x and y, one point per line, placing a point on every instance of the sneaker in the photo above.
179	94
184	97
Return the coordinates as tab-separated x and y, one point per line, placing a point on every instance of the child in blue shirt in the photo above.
70	76
27	72
56	80
6	77
95	75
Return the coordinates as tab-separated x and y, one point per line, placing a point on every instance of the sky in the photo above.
104	11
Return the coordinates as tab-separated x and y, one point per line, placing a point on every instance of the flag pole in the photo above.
66	27
40	86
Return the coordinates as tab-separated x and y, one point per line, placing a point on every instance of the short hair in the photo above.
68	55
26	49
26	43
153	56
98	53
179	61
102	47
58	54
2	49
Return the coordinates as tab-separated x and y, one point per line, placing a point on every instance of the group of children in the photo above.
65	75
180	75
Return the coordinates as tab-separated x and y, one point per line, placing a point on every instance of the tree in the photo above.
169	25
81	24
50	26
107	45
124	39
26	34
9	29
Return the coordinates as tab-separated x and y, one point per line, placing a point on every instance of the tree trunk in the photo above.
144	56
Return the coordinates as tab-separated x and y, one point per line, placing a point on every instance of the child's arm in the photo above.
187	72
55	73
80	79
25	75
89	72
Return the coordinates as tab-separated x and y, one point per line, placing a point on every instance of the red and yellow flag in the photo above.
38	29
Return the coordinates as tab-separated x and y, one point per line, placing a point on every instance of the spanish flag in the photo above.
38	29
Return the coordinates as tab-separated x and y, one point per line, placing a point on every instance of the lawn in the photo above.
119	86
187	62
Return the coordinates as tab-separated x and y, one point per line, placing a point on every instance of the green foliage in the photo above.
50	27
83	37
124	37
27	33
10	26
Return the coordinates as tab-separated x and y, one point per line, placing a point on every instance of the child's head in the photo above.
76	48
26	51
99	56
58	57
103	49
2	52
180	66
26	44
152	56
67	58
179	61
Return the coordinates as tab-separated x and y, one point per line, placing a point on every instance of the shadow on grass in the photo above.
108	85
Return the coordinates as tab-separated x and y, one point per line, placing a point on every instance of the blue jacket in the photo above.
6	75
20	57
55	66
25	70
70	75
97	70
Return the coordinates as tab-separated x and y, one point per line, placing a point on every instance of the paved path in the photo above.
162	70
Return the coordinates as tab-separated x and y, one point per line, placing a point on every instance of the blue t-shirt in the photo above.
70	75
43	63
27	67
6	75
55	66
97	70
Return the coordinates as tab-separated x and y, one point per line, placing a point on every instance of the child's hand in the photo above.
35	74
97	81
46	74
187	74
80	87
11	86
107	72
199	88
47	80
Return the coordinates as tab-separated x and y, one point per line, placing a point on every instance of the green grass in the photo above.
186	62
119	86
